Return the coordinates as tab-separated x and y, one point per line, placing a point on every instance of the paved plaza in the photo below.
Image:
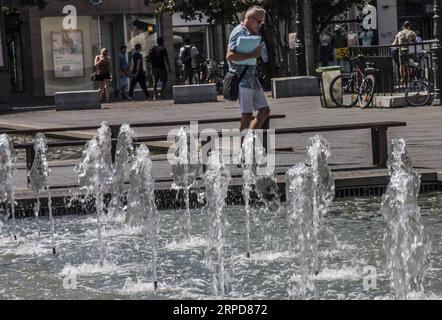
351	150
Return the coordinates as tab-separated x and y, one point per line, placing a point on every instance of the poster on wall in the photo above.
67	50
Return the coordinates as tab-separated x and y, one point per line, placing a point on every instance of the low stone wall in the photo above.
196	93
77	100
295	87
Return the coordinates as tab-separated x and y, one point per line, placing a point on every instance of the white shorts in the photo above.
251	100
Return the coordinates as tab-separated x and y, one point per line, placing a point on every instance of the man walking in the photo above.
188	56
123	74
138	73
251	93
159	59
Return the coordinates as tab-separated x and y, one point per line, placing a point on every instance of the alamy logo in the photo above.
369	280
370	20
70	282
194	147
70	17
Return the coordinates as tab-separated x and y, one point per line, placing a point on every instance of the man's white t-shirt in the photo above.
193	53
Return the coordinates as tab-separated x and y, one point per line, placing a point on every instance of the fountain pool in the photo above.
352	259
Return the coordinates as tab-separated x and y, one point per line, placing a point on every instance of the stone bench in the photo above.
77	100
196	93
294	87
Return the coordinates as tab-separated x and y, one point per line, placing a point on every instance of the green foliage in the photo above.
226	11
326	10
12	16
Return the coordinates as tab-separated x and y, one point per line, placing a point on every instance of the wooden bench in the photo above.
379	137
116	127
29	147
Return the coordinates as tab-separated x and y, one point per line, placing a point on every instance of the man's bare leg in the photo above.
258	122
246	119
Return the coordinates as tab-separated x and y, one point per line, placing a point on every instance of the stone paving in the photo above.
350	149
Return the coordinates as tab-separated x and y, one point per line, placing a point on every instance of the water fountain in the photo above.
185	170
123	155
406	240
318	152
141	210
216	266
310	190
258	177
7	173
249	179
299	189
94	174
38	181
217	183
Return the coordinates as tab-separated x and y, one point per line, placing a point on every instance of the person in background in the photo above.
404	38
123	74
325	48
138	73
103	67
418	37
159	59
188	57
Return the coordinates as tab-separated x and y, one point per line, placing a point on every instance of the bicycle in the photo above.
200	72
216	75
358	86
419	91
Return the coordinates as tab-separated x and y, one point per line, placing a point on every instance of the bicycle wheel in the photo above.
418	93
366	92
343	91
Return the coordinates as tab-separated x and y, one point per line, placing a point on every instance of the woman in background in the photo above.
103	66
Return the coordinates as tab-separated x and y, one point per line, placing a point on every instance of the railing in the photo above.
388	60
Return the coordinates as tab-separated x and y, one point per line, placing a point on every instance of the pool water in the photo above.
352	258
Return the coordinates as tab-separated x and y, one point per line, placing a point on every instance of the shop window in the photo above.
141	29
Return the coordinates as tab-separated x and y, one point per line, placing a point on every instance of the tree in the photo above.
325	11
13	15
280	13
280	19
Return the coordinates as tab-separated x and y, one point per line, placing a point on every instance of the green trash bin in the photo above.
327	76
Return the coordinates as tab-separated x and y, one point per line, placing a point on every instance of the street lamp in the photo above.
437	48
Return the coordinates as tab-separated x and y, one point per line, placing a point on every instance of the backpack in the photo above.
186	58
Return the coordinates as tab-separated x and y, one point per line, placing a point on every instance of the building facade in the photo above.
54	49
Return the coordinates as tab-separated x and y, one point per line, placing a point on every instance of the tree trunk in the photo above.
308	35
224	40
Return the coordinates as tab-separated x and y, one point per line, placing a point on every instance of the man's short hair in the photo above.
253	9
123	47
160	41
187	41
138	46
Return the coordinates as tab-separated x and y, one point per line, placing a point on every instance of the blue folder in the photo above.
247	44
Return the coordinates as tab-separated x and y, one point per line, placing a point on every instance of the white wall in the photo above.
387	21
